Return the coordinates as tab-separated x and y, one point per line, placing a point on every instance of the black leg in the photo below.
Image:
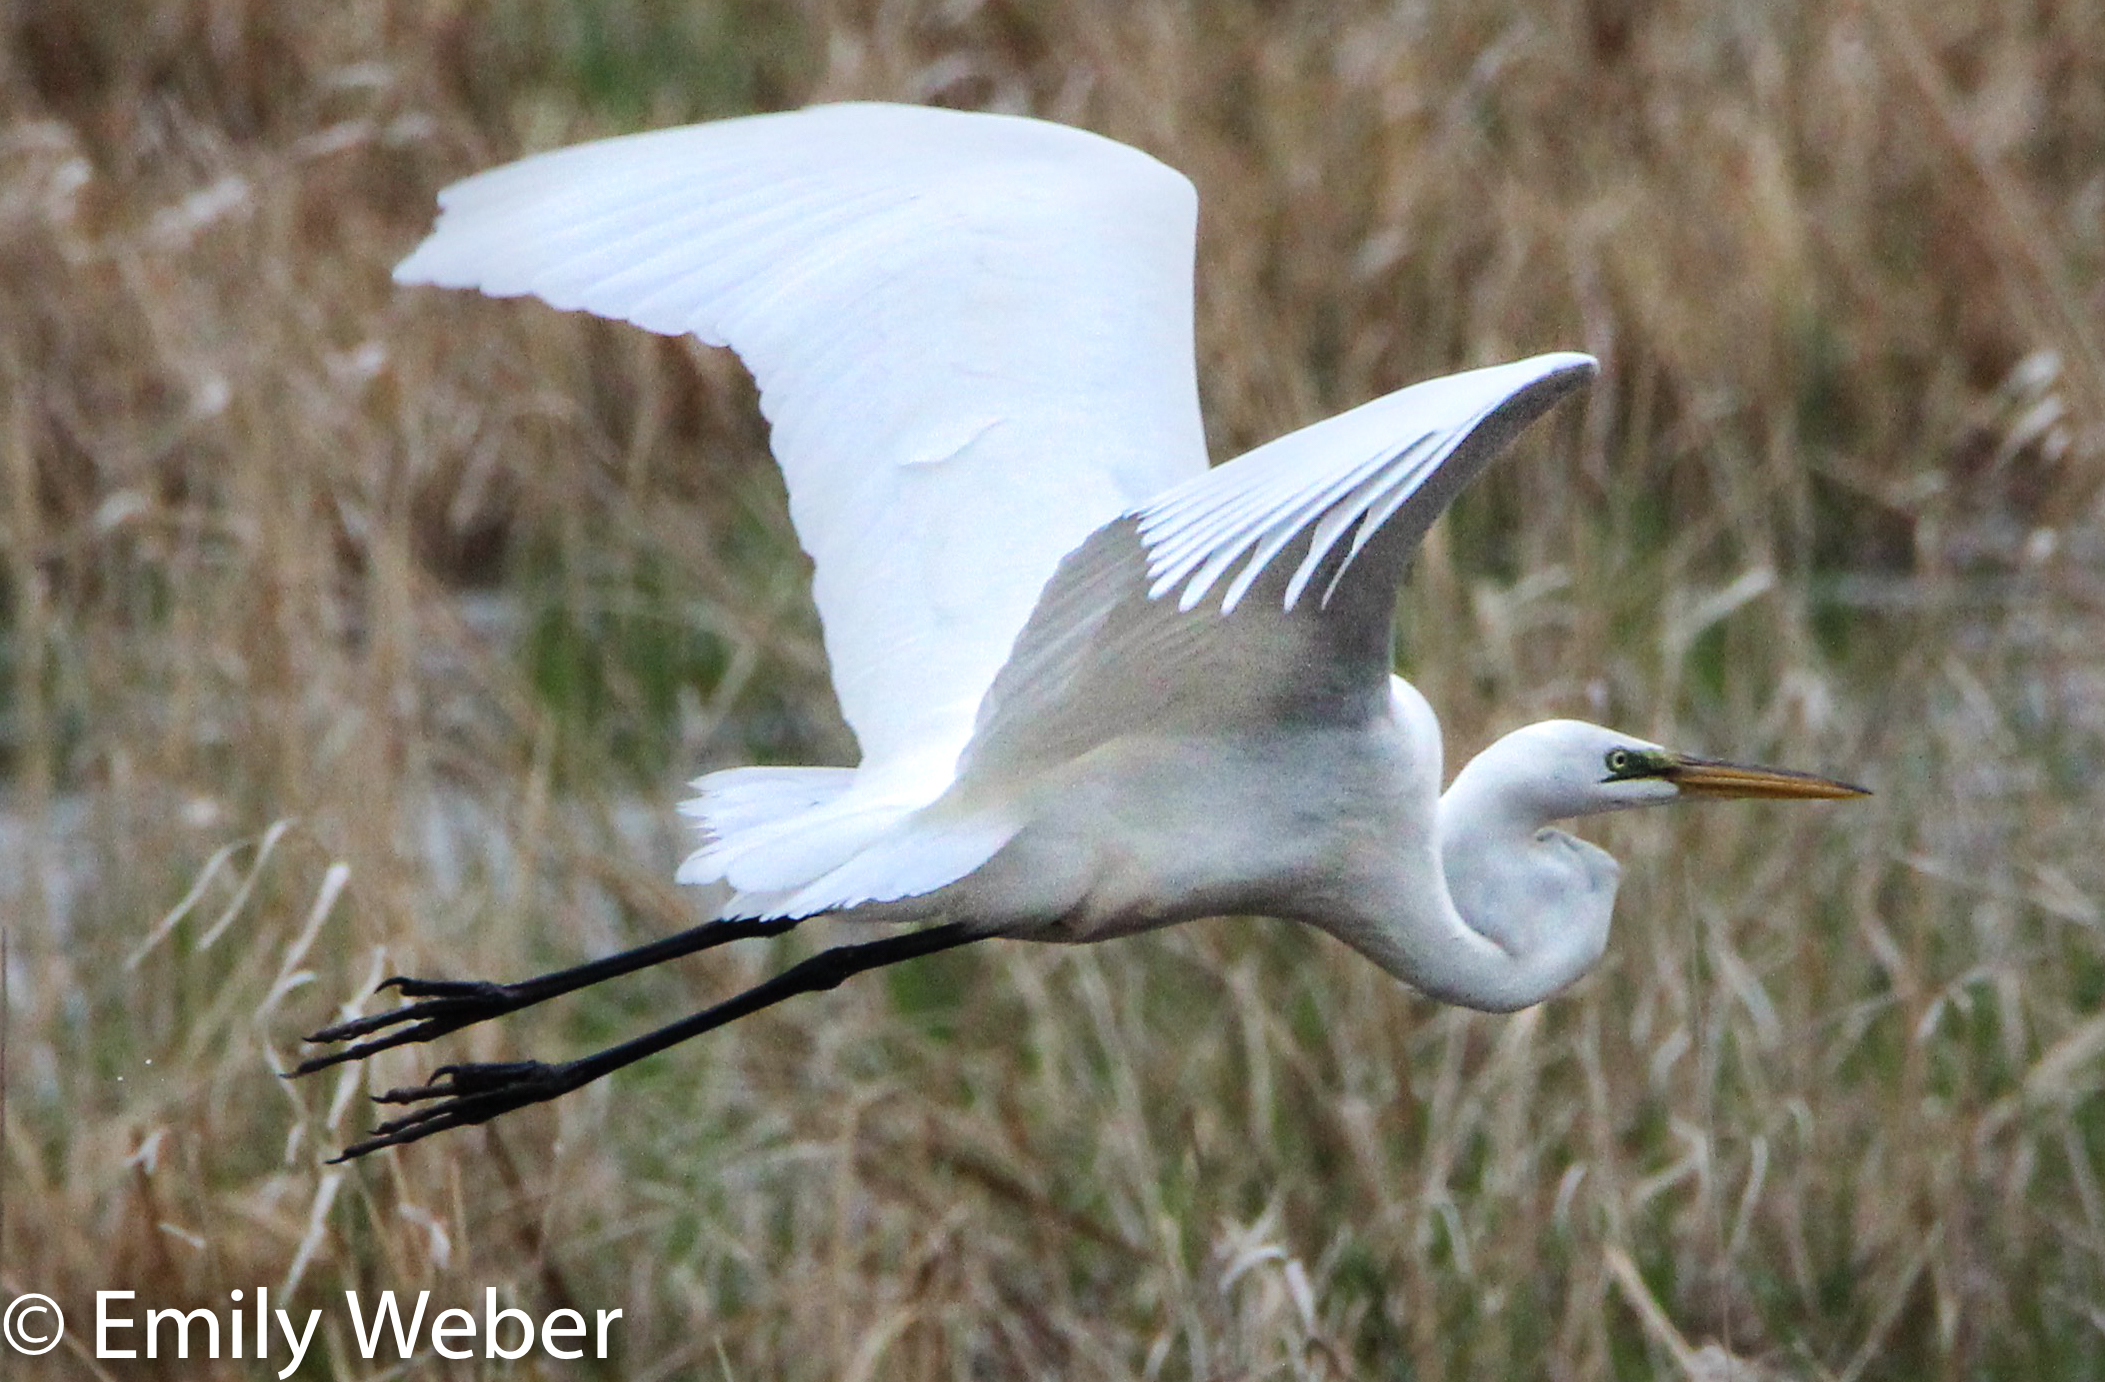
459	1095
450	1004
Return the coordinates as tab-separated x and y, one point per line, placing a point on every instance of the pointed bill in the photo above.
1710	777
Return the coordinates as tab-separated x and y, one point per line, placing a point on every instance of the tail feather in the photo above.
772	828
800	841
739	799
917	856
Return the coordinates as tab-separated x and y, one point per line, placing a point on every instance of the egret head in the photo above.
1564	768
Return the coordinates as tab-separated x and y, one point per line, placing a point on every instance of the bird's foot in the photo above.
445	1005
460	1095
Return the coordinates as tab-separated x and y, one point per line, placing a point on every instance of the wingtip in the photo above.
1545	379
415	270
447	257
1550	377
1574	367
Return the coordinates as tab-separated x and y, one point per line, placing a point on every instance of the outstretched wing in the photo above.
1261	593
972	335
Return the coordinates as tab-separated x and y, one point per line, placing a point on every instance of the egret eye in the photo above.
1618	761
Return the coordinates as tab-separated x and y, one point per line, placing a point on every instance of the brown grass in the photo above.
346	630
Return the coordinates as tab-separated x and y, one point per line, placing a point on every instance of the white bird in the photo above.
1098	687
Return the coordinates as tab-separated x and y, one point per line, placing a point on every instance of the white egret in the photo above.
1098	687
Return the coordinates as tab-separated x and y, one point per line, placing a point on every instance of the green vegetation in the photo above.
347	630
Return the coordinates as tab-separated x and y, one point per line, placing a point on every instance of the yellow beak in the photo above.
1708	777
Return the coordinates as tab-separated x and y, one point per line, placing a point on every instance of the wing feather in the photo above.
972	335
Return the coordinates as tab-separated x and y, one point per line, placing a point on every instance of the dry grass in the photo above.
345	630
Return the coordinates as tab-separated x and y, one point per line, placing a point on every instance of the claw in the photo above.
442	1006
472	1077
465	1094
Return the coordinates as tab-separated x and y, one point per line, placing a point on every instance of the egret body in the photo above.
1098	686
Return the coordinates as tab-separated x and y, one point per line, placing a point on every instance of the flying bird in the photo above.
1098	687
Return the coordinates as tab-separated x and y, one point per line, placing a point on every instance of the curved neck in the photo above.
1488	908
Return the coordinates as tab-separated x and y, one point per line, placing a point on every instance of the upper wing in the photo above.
972	335
1307	639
